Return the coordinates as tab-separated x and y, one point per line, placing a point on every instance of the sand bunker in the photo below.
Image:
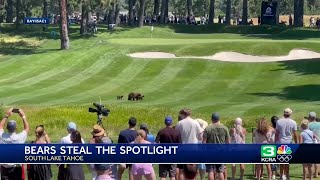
296	54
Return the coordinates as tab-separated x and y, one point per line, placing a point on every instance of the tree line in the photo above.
15	10
18	9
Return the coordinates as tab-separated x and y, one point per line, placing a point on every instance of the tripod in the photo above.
100	122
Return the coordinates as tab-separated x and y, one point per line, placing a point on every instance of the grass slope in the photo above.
58	86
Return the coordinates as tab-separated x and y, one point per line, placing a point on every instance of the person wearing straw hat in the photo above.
314	126
286	133
99	136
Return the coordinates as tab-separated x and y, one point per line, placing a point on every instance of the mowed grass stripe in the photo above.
191	81
80	66
126	75
24	67
62	64
109	72
210	92
168	73
68	82
193	87
151	70
237	88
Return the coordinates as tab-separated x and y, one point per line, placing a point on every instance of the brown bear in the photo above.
135	96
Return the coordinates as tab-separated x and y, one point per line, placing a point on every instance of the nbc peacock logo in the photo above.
284	153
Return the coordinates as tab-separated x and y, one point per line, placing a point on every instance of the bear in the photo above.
134	96
141	97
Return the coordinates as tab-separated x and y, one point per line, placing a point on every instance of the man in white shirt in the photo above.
67	140
190	132
13	171
286	133
71	127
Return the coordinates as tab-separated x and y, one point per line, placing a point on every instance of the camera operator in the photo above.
13	171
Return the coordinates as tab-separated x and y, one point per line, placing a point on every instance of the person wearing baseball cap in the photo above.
314	126
70	128
168	135
150	136
13	171
216	133
286	133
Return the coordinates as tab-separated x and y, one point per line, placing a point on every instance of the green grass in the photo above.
55	87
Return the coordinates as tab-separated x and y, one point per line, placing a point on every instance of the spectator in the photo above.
76	170
259	20
312	22
63	172
264	134
238	136
190	132
285	133
274	120
13	171
290	20
168	135
216	133
139	170
202	167
103	171
127	136
40	171
314	126
307	137
99	136
190	171
71	127
150	137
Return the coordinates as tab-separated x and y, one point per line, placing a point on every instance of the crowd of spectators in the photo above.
187	130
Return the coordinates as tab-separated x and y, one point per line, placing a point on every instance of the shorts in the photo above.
201	166
273	167
219	168
142	169
165	169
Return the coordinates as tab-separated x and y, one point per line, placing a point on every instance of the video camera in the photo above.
101	112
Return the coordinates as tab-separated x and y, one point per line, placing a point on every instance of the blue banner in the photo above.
158	153
36	20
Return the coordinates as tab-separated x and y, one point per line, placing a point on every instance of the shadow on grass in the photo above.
301	93
302	67
278	32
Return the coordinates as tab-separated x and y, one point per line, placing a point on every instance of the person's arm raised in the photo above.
24	119
47	138
5	118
